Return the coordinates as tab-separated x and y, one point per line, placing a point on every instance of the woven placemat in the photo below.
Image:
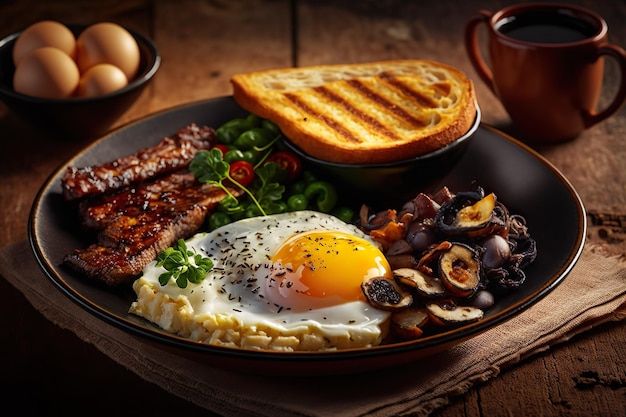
594	292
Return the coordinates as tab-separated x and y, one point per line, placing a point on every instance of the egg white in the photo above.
229	306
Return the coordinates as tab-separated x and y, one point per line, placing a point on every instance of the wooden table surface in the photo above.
202	44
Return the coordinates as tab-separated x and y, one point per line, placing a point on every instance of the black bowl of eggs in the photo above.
74	81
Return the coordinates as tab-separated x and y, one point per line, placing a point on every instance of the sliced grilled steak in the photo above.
170	154
120	264
137	223
99	211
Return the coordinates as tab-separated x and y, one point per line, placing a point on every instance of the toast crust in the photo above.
378	112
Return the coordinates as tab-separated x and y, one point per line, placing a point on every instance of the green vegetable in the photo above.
308	177
230	131
256	138
254	120
234	155
324	194
269	191
252	211
297	187
183	265
271	126
218	219
343	213
252	156
297	202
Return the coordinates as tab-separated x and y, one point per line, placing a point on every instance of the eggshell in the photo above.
108	43
44	33
101	79
46	72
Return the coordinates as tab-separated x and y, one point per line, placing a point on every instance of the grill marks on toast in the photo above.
399	111
362	108
307	108
422	99
355	112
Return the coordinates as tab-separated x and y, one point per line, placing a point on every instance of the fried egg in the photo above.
288	282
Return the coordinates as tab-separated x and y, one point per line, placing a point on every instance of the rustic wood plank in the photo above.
581	378
204	44
17	15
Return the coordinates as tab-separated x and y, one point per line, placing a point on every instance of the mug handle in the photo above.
619	55
473	49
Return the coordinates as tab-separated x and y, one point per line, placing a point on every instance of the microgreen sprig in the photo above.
183	265
266	150
265	193
209	167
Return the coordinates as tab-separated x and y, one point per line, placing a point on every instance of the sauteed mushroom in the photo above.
425	285
386	294
448	313
410	322
459	269
472	214
452	255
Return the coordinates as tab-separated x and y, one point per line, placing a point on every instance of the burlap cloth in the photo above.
594	292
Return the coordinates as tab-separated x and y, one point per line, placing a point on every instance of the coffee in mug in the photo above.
546	67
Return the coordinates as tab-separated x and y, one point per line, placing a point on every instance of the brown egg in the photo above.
108	43
101	79
46	72
44	33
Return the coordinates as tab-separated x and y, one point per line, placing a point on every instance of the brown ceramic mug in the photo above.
546	67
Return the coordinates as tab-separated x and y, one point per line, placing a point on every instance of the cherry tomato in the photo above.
222	148
242	172
287	161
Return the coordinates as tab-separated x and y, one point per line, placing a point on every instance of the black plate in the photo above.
524	181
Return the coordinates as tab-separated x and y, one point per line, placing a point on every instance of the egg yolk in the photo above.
323	268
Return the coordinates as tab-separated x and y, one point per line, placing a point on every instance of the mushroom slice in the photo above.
470	214
408	323
426	285
386	294
447	313
478	213
401	261
459	270
432	254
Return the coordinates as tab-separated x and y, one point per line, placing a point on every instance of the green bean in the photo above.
231	130
324	193
271	126
343	213
297	202
234	155
255	138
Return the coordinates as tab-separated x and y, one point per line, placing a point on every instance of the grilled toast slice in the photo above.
367	113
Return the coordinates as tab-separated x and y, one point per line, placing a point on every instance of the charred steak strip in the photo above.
168	155
120	264
99	211
140	222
